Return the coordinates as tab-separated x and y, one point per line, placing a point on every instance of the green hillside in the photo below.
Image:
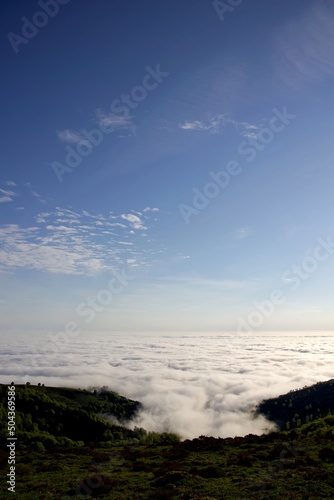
300	406
48	416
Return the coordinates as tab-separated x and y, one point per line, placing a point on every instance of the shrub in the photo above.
38	446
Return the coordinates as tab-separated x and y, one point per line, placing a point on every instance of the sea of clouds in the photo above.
191	384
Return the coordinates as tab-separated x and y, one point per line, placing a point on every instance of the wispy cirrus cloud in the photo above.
38	196
109	121
304	47
248	130
72	242
7	196
214	284
213	125
216	125
113	120
72	136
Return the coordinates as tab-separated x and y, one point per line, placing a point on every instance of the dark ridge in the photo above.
300	406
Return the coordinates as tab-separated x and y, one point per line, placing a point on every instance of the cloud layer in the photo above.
190	384
77	242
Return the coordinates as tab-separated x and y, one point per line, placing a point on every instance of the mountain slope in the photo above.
300	406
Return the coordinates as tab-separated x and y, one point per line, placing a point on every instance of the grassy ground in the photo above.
292	465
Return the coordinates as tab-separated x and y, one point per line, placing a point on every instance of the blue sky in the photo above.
119	120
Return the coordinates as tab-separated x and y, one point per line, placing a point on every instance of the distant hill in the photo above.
47	417
300	406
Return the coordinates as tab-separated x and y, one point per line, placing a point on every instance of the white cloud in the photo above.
72	137
68	242
41	218
38	196
118	123
111	119
104	120
247	130
134	220
194	125
204	384
217	123
6	196
149	209
213	125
